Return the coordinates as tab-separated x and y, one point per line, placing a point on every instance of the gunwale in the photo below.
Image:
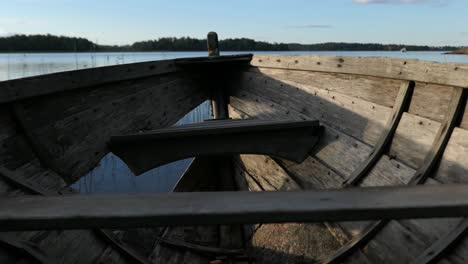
19	89
449	74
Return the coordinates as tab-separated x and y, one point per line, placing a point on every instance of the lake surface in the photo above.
112	175
18	65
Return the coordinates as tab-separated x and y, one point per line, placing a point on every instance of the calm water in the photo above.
112	175
21	65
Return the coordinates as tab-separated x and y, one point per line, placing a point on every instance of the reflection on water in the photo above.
112	175
17	65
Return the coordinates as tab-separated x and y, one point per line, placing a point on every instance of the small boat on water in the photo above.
309	159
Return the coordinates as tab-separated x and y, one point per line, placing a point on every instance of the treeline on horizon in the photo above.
51	43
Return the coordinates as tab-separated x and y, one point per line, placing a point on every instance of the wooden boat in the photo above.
336	160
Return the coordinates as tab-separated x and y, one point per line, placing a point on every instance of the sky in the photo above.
419	22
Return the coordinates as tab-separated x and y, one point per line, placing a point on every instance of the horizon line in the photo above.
236	38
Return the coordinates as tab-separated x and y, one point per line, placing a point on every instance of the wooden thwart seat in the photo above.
215	61
207	208
292	140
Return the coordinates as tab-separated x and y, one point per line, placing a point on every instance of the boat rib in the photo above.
453	116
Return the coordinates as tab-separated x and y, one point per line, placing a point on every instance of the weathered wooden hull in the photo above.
54	129
357	99
387	122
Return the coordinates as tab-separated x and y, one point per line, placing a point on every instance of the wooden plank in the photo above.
453	166
7	124
336	149
430	101
241	175
313	174
127	252
453	117
377	90
123	211
200	176
384	248
25	249
401	105
389	170
47	110
267	173
309	173
464	122
201	249
286	139
109	256
406	69
68	246
311	240
452	169
217	127
20	89
413	139
214	61
429	230
23	184
15	152
449	236
356	117
357	242
338	153
63	144
444	245
35	189
449	169
385	172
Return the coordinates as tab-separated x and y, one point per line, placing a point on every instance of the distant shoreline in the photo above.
63	44
224	51
458	52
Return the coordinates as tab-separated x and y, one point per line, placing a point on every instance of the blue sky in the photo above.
431	22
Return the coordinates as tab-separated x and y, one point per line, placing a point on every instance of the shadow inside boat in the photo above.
348	140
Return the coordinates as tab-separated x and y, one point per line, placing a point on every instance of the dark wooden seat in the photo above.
215	61
205	208
292	140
